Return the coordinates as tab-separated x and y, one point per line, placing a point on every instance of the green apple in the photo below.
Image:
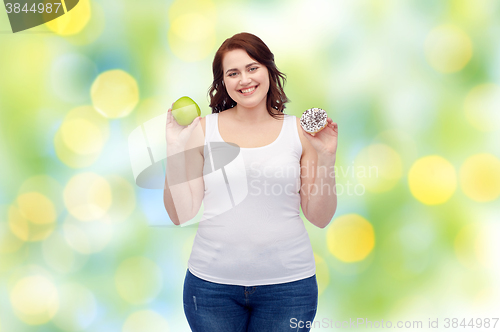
185	110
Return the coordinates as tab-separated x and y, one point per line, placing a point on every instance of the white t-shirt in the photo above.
251	232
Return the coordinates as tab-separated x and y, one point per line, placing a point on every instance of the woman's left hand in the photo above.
325	141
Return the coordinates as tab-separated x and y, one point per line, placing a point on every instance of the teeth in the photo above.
248	90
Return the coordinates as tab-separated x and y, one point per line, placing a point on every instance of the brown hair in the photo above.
257	50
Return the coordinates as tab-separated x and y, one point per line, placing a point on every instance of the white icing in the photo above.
313	119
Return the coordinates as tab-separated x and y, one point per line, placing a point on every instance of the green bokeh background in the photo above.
368	63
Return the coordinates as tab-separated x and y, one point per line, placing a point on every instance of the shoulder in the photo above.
226	114
306	145
299	128
203	122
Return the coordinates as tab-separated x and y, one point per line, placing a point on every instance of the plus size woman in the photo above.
252	265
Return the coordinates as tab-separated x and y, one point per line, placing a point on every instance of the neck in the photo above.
252	115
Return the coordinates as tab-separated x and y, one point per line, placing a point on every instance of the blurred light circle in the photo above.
191	27
77	308
60	256
71	76
48	187
145	321
92	30
480	177
35	300
432	180
448	48
9	242
322	273
114	93
87	196
482	107
477	13
37	208
182	7
378	168
191	35
69	157
138	280
124	200
402	142
26	270
87	237
71	22
81	137
20	226
350	238
33	220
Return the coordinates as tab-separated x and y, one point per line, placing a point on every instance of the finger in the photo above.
196	120
308	135
194	123
169	117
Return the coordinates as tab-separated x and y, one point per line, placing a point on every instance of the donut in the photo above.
314	120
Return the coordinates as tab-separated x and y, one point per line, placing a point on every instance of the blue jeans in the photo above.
213	307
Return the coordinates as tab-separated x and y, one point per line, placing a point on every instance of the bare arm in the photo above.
184	186
318	197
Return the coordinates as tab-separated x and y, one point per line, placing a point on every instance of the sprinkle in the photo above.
313	120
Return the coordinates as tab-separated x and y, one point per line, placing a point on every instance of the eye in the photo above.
231	74
252	69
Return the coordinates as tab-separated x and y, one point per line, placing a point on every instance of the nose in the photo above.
245	79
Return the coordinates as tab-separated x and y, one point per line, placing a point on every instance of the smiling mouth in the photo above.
249	91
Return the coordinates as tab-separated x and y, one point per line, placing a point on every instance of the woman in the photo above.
252	266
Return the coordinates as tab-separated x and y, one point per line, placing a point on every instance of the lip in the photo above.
250	93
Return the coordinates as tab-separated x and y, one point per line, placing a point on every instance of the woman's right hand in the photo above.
177	135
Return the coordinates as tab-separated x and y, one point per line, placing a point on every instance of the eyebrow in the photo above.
250	64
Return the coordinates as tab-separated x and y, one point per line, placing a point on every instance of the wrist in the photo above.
174	149
327	158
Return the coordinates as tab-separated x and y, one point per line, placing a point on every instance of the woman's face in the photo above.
246	80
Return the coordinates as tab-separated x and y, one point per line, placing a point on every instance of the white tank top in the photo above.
251	232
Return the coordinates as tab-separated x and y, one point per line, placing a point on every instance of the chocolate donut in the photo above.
314	120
